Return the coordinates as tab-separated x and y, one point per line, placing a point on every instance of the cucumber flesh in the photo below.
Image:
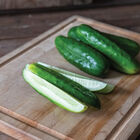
69	86
91	84
54	94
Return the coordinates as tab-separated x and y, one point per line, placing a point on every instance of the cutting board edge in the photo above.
30	44
29	122
14	132
102	25
131	112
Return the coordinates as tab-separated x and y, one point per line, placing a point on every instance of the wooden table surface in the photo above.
15	30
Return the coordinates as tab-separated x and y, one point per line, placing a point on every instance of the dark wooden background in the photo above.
15	30
19	26
22	4
26	4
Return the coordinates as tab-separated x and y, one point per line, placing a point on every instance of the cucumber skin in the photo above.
130	46
121	60
106	90
82	56
67	85
86	107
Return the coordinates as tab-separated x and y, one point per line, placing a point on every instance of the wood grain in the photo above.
18	97
25	127
24	4
6	128
18	29
27	5
6	46
129	120
15	133
5	137
32	25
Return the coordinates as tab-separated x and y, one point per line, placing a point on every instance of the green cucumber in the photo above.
82	56
91	84
130	46
65	84
54	94
121	60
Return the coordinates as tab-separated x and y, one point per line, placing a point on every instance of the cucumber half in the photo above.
54	94
91	84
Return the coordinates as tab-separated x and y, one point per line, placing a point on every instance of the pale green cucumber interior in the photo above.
91	84
107	89
54	94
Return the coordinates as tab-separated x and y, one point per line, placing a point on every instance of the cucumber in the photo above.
65	84
91	84
82	56
130	46
121	60
54	94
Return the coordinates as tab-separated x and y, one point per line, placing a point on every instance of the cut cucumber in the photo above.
91	84
54	94
69	86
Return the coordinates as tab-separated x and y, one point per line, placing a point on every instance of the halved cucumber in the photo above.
91	84
54	94
69	86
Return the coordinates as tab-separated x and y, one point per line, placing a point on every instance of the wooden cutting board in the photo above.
120	111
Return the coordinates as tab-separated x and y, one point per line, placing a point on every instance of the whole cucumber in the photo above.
66	84
121	60
82	56
130	46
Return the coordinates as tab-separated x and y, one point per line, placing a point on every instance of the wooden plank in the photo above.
27	5
5	137
88	125
31	25
24	4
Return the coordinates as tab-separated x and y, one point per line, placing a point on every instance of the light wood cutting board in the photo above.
120	111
